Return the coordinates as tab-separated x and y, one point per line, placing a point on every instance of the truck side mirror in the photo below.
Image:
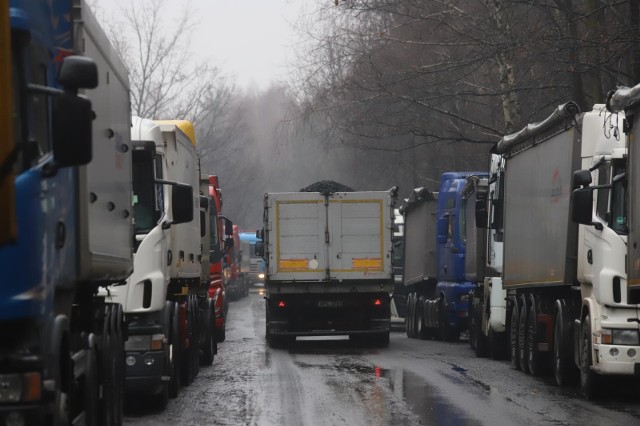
482	215
260	248
78	72
582	206
71	130
181	203
260	234
228	243
228	227
580	178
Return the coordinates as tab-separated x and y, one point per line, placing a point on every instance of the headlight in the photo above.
137	343
464	297
10	388
626	337
20	387
261	276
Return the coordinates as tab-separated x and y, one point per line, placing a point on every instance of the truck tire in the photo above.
589	380
187	371
175	351
107	365
409	318
161	399
447	333
513	335
419	319
481	346
498	348
120	362
522	338
209	349
91	386
564	369
197	334
535	359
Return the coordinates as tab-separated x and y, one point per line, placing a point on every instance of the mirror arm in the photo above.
167	224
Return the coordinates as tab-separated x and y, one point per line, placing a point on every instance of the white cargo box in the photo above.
105	237
345	236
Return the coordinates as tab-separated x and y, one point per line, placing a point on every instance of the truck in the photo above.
252	266
568	302
235	281
487	310
436	273
328	258
65	215
399	295
165	301
220	243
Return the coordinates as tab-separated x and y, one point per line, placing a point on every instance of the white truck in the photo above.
329	268
165	299
487	316
565	245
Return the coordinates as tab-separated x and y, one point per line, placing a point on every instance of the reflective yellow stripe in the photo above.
7	195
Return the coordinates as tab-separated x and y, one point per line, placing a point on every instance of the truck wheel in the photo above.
513	336
175	352
222	332
588	378
497	345
186	373
534	357
91	386
120	363
208	349
409	319
480	339
447	333
419	318
161	399
564	369
107	369
522	338
197	335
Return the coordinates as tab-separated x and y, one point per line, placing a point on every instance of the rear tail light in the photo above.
281	304
377	302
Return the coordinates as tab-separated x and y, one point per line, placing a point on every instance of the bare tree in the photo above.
165	79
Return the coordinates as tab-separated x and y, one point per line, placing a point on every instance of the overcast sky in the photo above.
251	40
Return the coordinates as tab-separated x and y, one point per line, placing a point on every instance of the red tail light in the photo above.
281	304
377	302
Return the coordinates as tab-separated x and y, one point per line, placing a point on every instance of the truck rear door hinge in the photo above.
326	237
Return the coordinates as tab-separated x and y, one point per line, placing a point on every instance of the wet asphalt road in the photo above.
333	382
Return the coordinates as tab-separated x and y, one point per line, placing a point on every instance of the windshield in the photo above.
619	200
214	241
145	211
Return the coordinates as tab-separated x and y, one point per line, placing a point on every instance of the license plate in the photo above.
330	303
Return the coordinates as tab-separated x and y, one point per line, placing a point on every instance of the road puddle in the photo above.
425	401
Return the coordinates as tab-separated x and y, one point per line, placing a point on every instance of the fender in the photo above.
589	306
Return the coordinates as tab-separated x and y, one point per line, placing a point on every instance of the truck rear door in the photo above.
298	225
359	238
